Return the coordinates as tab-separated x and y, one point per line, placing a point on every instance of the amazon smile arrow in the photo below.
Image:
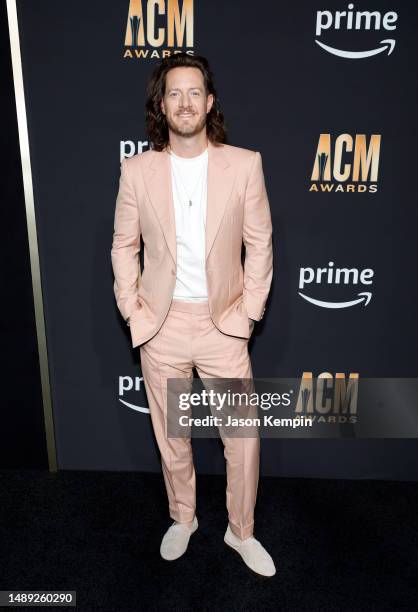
366	297
389	43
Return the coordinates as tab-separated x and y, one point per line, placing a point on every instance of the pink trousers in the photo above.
188	338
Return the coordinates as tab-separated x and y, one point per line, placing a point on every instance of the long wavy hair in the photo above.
156	122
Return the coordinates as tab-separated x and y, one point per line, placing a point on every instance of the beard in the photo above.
186	130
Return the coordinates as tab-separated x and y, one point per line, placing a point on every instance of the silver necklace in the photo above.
189	198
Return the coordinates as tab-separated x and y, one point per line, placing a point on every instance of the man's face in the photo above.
185	103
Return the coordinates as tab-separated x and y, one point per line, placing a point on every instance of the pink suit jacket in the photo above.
237	211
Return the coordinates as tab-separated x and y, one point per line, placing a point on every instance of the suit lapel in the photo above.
157	176
221	177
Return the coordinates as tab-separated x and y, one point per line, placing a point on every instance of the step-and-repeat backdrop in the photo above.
327	93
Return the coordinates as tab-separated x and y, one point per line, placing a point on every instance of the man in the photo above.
194	200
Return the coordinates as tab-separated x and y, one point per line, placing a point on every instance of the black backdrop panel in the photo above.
280	90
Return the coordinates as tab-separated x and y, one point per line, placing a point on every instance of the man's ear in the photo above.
210	102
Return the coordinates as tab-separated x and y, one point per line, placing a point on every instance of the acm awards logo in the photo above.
330	399
331	276
356	20
347	164
158	28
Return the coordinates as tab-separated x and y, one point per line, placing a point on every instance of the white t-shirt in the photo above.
189	182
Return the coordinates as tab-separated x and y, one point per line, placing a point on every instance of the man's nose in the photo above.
185	101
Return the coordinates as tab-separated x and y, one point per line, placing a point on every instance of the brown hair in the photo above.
156	122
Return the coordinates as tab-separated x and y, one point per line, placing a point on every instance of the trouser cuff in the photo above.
242	532
182	517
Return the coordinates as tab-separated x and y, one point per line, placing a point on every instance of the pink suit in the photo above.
175	335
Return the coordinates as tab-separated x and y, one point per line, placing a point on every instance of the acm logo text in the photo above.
346	165
330	399
158	28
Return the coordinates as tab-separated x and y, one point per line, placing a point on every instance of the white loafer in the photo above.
253	553
176	540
